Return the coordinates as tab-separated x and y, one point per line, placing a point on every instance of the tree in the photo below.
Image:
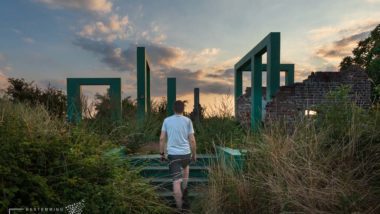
367	56
54	100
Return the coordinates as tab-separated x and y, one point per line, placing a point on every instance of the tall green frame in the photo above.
143	84
252	61
74	110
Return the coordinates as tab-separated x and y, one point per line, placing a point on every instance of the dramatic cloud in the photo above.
187	80
330	44
114	28
342	30
227	74
342	47
98	6
125	60
162	60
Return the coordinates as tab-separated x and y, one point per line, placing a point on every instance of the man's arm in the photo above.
162	142
193	146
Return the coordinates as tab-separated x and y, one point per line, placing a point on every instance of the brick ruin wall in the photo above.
291	101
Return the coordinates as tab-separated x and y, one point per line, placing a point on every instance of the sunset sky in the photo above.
197	41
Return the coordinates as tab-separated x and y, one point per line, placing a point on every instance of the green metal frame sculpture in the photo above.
74	110
252	61
143	84
171	95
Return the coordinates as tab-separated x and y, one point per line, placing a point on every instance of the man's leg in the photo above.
185	172
177	192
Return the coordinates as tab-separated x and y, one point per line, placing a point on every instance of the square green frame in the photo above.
74	110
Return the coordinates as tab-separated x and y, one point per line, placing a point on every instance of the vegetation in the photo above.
325	164
45	162
54	100
320	164
367	56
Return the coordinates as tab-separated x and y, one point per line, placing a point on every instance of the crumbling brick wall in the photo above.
292	101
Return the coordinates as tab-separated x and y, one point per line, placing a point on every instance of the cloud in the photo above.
125	60
341	48
154	34
28	40
227	74
114	28
97	6
162	59
345	29
186	81
330	44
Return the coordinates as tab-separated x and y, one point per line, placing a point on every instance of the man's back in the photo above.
178	128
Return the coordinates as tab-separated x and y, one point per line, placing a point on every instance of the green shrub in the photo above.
44	162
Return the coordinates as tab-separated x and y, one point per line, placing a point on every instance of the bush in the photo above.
44	162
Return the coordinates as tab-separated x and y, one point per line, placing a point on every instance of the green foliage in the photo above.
52	99
44	162
367	56
329	164
218	130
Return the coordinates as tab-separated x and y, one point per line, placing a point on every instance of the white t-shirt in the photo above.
178	128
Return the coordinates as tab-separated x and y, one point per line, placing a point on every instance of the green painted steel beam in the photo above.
288	69
196	104
143	84
230	158
270	45
74	109
273	65
171	95
147	88
238	86
256	93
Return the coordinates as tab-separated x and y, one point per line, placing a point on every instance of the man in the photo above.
181	148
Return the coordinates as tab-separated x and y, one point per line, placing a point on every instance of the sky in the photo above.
196	41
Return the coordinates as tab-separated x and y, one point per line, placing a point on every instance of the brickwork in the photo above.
292	101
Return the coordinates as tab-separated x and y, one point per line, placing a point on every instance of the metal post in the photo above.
273	59
289	75
141	84
196	105
256	91
74	110
171	95
238	87
115	98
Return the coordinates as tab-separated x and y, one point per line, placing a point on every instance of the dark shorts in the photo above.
176	162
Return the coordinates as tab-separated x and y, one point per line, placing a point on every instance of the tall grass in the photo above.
326	164
45	162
